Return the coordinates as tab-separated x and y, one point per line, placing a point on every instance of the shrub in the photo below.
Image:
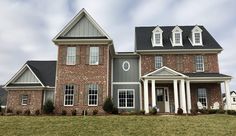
9	111
108	105
220	111
27	112
153	111
73	112
180	111
231	112
84	112
203	111
142	112
37	112
48	107
18	112
95	112
115	110
63	112
193	112
212	111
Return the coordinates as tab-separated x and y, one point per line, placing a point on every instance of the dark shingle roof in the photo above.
3	96
143	38
202	74
44	70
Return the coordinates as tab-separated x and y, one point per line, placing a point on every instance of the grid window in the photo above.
126	98
158	38
202	96
93	95
177	38
158	62
71	56
94	56
197	38
69	95
24	99
199	63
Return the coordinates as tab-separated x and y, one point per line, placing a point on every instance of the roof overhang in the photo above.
179	51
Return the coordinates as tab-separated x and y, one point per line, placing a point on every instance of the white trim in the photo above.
93	94
70	94
125	83
112	77
108	70
199	30
126	90
22	100
202	97
203	63
159	31
123	65
179	31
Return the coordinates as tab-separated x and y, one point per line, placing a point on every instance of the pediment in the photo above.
26	77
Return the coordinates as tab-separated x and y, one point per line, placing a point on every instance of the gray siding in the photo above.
27	77
119	75
130	86
84	28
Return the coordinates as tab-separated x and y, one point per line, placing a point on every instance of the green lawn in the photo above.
118	125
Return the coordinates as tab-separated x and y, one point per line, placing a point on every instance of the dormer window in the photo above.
196	36
177	37
157	37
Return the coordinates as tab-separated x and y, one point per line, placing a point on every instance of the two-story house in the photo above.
172	67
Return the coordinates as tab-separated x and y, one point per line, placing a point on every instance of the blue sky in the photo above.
28	26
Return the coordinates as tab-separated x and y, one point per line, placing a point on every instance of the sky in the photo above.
27	27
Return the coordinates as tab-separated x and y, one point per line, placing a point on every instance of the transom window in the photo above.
158	62
69	95
126	98
177	38
202	96
24	99
199	63
93	95
126	66
197	38
94	56
71	56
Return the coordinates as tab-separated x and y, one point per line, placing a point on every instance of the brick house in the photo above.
172	67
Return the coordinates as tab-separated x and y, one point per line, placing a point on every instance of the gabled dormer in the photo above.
196	36
157	37
176	38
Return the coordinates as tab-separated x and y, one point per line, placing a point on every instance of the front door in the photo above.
162	98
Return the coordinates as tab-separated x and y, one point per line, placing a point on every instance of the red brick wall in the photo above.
80	74
35	98
187	60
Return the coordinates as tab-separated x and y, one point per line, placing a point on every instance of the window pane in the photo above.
158	38
158	62
71	56
202	96
199	63
197	37
177	38
126	98
69	95
93	94
94	56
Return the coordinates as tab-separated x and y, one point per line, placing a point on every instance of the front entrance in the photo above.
162	99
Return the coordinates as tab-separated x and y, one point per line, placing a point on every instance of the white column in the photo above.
153	94
146	105
182	97
227	93
188	96
176	96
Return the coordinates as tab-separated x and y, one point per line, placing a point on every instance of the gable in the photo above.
26	77
83	28
163	72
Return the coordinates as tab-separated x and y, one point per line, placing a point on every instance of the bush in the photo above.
180	111
73	112
27	112
37	112
203	111
84	112
142	112
153	111
115	110
18	112
193	112
48	107
9	111
95	112
212	111
220	111
231	112
108	105
63	112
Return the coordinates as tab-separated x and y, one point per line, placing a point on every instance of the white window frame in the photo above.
24	99
95	86
156	61
157	31
123	66
71	56
205	97
125	90
180	39
69	95
93	55
234	100
198	63
196	29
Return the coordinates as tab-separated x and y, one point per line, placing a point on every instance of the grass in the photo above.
118	125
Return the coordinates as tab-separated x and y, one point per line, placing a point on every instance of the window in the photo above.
24	99
160	95
199	63
69	95
71	56
94	56
179	63
234	100
202	96
126	66
158	62
93	95
197	38
158	38
126	98
177	38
